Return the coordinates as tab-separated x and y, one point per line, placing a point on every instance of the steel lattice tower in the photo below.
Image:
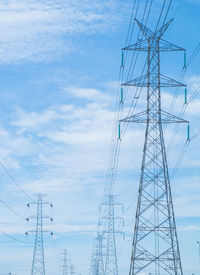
97	261
72	270
38	263
111	266
66	264
100	254
155	243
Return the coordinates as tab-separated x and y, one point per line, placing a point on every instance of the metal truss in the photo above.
155	247
109	205
38	263
98	257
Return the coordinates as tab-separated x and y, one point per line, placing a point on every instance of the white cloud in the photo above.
74	228
88	94
70	136
70	153
189	228
41	30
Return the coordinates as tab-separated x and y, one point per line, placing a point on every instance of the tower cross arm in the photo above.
35	231
164	81
143	46
165	117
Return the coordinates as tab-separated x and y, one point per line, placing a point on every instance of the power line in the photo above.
12	210
13	180
13	238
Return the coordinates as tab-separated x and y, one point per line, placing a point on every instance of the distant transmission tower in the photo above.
97	266
100	255
38	264
111	266
66	264
155	243
72	270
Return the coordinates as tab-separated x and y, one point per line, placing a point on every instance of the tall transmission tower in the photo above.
111	266
38	263
155	244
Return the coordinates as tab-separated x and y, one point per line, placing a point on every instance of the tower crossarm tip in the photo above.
140	45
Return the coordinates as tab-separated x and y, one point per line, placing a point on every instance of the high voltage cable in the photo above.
129	27
181	156
132	60
14	181
13	238
193	55
5	203
169	147
180	159
114	149
136	54
117	149
191	58
12	210
194	94
195	135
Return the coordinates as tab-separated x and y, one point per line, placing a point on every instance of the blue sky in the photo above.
59	65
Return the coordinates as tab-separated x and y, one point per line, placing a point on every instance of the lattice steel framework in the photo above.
155	243
98	261
38	263
66	263
110	204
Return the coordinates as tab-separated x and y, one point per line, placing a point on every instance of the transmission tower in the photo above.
72	270
97	266
38	263
66	263
155	243
111	266
99	255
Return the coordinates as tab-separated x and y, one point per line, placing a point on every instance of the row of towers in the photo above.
38	263
155	247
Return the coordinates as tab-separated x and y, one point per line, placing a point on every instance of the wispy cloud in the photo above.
42	30
88	94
